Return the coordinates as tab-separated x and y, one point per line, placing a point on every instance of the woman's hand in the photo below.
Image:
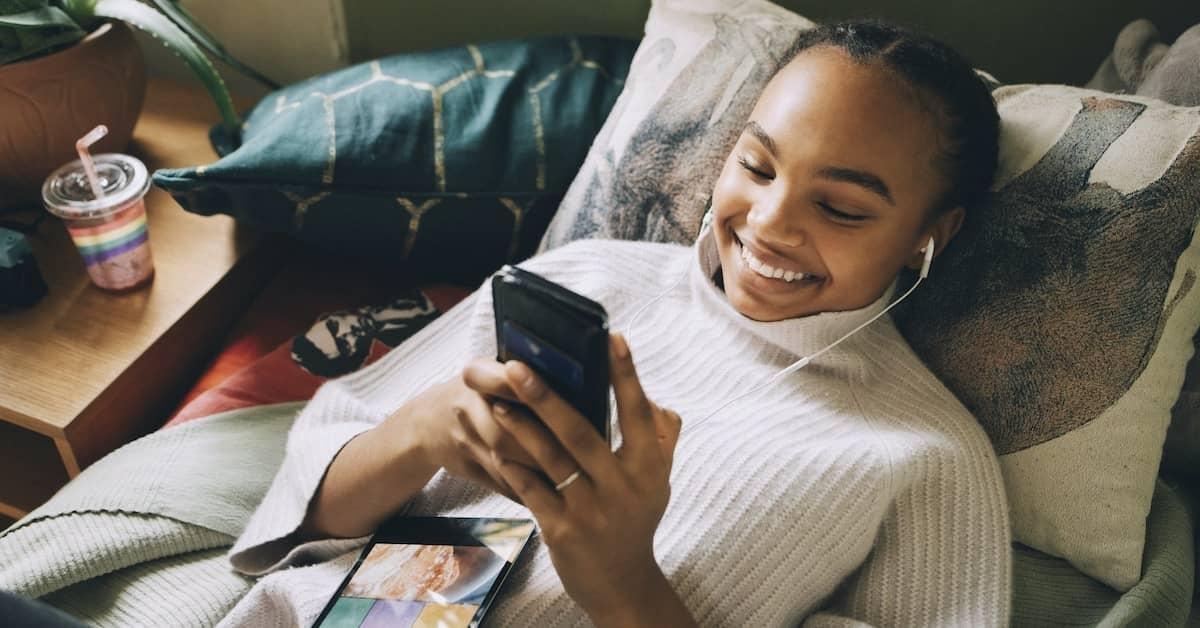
449	425
599	523
458	431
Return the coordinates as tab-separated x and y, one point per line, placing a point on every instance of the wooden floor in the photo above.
5	522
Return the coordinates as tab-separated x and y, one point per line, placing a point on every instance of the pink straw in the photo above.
81	147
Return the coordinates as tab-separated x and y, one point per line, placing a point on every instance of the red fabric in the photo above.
255	366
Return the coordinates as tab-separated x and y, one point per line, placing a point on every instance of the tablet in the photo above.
428	571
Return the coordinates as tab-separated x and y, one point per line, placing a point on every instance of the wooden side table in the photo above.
85	371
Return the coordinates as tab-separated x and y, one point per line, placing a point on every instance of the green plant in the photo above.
29	28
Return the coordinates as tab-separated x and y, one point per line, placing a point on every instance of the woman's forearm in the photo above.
369	480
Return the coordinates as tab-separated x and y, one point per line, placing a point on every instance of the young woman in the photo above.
856	488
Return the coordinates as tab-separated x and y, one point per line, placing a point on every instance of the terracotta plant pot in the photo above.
49	102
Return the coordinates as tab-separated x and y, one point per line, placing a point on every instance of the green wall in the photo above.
1018	41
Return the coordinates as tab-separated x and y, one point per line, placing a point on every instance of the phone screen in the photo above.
546	359
444	585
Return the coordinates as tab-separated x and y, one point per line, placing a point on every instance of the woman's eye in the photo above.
841	215
754	170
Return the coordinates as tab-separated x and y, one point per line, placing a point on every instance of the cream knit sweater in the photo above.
861	490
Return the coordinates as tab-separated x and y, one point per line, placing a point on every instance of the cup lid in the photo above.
66	192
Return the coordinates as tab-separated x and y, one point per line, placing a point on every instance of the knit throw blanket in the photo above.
140	537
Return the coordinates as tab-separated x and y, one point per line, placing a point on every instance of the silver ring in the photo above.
567	482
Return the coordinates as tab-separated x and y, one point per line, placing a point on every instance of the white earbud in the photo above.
929	249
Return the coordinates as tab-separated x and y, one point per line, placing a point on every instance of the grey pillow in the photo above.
1142	64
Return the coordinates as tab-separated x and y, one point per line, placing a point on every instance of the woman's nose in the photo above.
771	221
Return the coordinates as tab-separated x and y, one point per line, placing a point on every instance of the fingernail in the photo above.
620	347
526	378
500	408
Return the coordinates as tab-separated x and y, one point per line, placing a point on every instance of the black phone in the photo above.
428	571
561	335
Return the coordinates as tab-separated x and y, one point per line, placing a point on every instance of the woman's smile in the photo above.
760	271
835	175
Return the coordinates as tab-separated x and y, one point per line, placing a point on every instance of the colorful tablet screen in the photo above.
437	584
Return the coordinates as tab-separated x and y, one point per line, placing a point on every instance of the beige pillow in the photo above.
694	80
1062	315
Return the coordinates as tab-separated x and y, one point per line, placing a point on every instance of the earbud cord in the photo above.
803	362
798	364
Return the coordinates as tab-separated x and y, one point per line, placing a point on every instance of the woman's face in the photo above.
832	185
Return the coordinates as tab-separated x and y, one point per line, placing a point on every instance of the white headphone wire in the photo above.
798	364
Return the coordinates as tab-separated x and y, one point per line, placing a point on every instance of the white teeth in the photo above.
763	269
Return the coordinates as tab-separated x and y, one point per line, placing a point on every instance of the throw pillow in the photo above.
1062	314
452	161
1142	64
1068	341
695	79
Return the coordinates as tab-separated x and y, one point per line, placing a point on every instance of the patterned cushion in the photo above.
1062	314
694	81
1142	64
452	161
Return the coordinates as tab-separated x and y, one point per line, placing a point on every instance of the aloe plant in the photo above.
29	28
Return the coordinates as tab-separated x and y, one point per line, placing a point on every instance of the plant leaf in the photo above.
45	17
189	25
29	43
34	30
83	11
158	26
8	7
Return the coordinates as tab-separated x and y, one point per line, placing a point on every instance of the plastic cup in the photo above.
110	232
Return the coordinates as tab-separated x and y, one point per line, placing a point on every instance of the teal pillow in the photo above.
451	162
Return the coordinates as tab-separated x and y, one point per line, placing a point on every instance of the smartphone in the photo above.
428	571
561	335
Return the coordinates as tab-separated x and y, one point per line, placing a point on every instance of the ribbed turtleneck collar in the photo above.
802	336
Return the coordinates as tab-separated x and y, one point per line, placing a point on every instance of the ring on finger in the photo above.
568	481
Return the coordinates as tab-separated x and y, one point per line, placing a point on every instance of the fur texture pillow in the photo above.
1062	315
1142	64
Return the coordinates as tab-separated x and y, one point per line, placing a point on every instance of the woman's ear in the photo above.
943	229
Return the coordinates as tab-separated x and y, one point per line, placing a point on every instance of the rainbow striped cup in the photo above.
110	232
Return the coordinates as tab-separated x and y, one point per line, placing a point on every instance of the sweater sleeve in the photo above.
942	553
345	407
340	410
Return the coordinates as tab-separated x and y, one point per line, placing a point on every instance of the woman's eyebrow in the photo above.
860	178
760	133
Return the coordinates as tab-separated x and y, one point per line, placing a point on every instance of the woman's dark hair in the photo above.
969	122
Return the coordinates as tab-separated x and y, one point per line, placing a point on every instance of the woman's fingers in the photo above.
634	410
486	376
577	436
484	428
547	452
541	498
490	477
668	425
476	454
